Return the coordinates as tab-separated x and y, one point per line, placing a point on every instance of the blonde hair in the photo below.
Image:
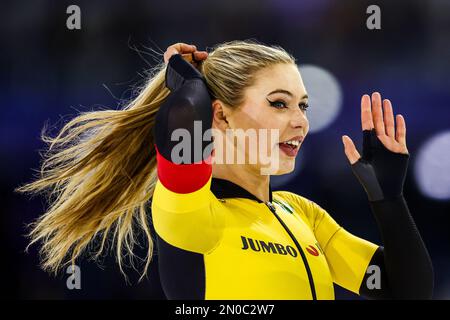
99	172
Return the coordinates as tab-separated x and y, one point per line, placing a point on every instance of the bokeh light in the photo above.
325	96
432	167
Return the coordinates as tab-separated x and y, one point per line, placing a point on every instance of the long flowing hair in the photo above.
99	172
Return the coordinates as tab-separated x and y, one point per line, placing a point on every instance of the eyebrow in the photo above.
287	93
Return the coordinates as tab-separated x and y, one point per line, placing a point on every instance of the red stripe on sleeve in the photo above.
183	178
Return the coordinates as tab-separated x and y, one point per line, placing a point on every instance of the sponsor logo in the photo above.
267	247
312	250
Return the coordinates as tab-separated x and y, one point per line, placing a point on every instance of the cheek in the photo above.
274	125
255	116
260	117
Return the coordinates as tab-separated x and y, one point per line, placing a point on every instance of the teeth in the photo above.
295	143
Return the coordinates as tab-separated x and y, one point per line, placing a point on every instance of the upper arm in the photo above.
187	220
348	256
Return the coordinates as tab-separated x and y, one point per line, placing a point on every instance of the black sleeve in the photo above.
406	269
188	107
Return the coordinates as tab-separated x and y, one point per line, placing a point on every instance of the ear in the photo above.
220	114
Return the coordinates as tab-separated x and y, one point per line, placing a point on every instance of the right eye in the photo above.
279	104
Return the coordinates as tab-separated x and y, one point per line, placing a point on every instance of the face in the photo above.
277	100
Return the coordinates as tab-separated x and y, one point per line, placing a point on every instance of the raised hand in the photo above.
188	52
382	168
183	61
392	135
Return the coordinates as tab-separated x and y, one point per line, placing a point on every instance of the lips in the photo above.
290	147
296	138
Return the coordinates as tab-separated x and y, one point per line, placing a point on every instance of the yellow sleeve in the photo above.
348	256
187	220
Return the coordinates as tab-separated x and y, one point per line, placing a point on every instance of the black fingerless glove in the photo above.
179	71
380	171
187	107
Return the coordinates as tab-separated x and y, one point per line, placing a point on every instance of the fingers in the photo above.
400	134
366	113
186	50
389	118
350	149
178	48
200	55
175	49
377	113
183	48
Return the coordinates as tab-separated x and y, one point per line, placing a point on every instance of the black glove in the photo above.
380	171
188	103
178	71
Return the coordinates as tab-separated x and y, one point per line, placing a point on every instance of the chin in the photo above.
285	167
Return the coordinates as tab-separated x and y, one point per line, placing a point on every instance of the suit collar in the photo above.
226	189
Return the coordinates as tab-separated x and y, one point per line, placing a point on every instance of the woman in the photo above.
221	232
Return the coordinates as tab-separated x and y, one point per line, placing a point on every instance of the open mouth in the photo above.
291	147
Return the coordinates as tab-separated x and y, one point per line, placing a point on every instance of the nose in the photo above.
299	120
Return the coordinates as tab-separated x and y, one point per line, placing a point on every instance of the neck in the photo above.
252	181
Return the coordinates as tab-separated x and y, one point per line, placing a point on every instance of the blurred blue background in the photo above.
49	73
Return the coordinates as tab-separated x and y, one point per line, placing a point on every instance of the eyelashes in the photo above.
280	104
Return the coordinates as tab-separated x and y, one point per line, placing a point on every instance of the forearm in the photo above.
185	116
183	149
405	265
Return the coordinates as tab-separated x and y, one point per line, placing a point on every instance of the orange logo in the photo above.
312	250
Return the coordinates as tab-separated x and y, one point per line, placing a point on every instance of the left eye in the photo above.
304	106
